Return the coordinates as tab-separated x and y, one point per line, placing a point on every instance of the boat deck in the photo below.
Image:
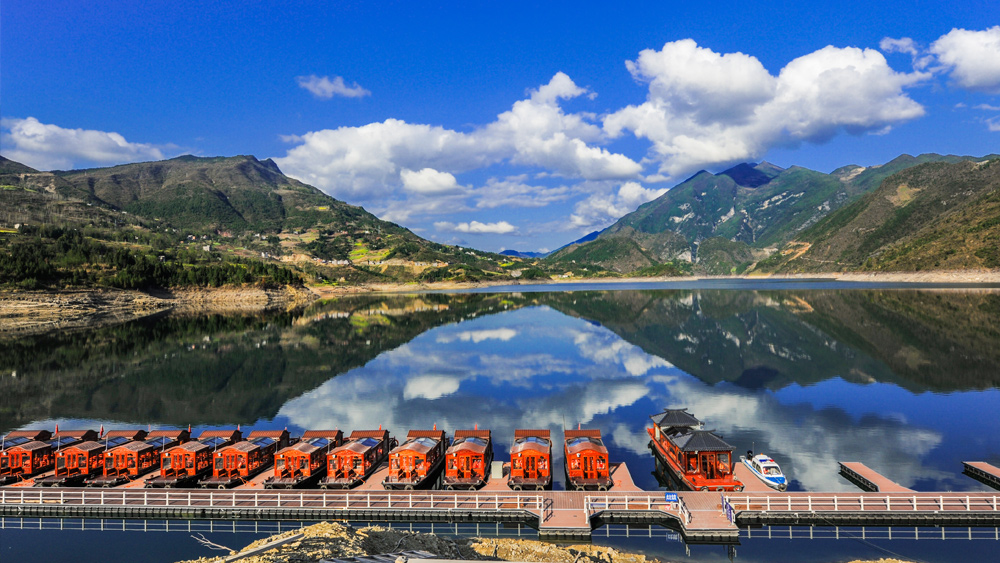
983	472
870	480
751	482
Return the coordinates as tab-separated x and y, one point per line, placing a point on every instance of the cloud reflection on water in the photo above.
491	371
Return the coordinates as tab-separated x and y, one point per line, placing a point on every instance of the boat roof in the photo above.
585	433
302	447
137	446
86	447
763	458
231	435
434	434
35	445
420	444
193	447
584	443
130	434
481	434
79	434
175	434
357	446
531	443
377	434
674	417
701	441
30	434
473	444
275	434
524	433
331	435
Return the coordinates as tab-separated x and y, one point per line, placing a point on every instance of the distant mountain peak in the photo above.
748	175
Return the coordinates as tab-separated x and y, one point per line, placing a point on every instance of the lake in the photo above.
905	380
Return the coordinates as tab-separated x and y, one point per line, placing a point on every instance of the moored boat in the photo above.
530	460
130	461
238	463
416	462
766	469
354	461
185	464
303	463
468	459
587	467
79	462
699	459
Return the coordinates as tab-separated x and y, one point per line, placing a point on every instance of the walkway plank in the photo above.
870	480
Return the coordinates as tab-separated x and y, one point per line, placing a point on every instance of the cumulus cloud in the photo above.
973	58
475	227
514	191
48	147
366	163
477	336
324	88
706	108
429	181
901	45
602	209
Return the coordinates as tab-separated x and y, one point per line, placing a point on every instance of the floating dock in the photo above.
870	480
983	472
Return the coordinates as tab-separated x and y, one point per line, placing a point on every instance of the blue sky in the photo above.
507	125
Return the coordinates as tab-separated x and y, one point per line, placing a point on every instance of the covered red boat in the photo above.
186	463
354	461
587	466
132	460
530	460
79	462
303	463
697	458
237	463
468	459
29	457
417	461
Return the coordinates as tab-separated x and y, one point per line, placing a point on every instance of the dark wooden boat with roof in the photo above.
24	453
697	458
356	459
185	464
416	462
238	463
133	460
79	462
303	463
530	460
468	459
587	467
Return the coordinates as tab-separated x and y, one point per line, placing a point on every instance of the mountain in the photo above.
520	254
194	221
725	222
931	216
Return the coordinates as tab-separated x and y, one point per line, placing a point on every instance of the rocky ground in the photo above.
329	540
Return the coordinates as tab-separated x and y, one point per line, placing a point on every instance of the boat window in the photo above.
368	442
61	463
426	442
281	463
81	460
218	463
319	442
302	463
533	440
724	458
472	440
263	441
3	462
190	462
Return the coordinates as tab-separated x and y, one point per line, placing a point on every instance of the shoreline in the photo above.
25	313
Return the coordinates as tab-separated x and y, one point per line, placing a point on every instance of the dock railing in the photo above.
306	499
598	503
867	502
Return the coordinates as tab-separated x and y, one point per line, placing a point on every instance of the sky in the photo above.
506	125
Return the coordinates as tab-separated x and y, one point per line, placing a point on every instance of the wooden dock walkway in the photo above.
983	472
870	480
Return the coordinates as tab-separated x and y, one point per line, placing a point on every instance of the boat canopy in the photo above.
419	445
675	417
477	445
701	441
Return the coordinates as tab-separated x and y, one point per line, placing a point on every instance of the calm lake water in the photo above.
903	380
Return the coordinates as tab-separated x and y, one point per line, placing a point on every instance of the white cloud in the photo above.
477	336
366	163
324	88
431	387
429	181
973	58
705	108
993	125
513	191
901	45
987	107
475	227
48	147
602	209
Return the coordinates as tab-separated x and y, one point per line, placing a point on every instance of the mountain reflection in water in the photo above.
904	381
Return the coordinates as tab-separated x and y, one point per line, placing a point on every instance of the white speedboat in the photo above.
766	469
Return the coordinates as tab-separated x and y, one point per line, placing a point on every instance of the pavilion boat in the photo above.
303	463
766	469
587	467
530	460
417	462
24	453
468	459
355	460
185	464
698	459
130	461
240	462
79	462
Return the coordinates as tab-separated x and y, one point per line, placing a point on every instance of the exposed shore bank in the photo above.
34	312
328	540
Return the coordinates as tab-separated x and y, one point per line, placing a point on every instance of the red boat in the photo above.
530	460
29	456
303	463
188	462
349	465
76	463
238	463
135	459
697	458
587	466
417	461
468	459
